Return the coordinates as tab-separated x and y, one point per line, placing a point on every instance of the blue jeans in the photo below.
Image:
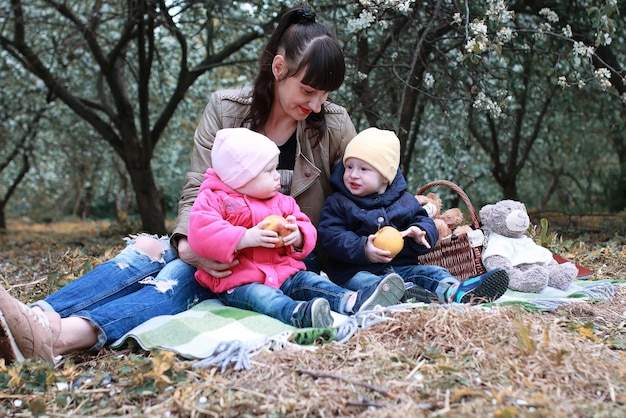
313	263
281	303
432	278
126	291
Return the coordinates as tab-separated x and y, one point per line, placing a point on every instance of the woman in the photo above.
300	65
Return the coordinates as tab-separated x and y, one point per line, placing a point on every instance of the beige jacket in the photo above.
311	178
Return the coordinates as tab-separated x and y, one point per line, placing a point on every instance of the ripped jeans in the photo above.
127	290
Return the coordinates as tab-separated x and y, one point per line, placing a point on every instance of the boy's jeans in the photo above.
432	278
280	303
127	290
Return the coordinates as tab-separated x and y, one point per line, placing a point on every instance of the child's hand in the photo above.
375	254
417	234
295	237
258	237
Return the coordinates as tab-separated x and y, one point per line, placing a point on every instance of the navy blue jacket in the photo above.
347	220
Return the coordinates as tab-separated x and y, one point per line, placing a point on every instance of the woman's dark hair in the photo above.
306	45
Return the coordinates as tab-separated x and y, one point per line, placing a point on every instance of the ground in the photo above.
503	362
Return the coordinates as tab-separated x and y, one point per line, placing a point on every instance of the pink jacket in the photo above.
219	218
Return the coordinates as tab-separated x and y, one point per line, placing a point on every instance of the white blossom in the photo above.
563	81
604	84
545	27
505	34
478	28
498	12
372	9
484	103
478	44
567	31
403	6
603	77
384	24
458	58
399	5
602	72
364	21
457	19
429	80
549	15
583	50
474	46
603	38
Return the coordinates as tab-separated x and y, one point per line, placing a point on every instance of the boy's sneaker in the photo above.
313	314
480	289
387	292
25	333
417	294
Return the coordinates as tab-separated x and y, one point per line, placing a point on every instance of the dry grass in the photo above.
503	362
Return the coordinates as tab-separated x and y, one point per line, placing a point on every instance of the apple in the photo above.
277	224
390	239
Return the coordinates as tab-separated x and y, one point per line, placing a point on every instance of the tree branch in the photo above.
378	389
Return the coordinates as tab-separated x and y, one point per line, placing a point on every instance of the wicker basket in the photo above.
455	253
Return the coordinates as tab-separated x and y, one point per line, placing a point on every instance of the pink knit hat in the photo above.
239	155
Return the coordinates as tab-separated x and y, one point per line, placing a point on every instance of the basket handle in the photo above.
455	188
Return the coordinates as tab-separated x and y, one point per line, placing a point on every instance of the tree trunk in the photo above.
509	188
149	200
618	202
3	222
130	63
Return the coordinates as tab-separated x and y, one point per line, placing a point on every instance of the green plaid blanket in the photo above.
551	298
216	334
223	335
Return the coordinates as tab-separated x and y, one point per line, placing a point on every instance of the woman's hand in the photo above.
214	268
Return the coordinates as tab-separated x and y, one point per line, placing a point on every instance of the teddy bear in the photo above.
446	221
531	267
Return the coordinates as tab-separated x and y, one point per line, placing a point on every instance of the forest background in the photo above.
525	99
520	99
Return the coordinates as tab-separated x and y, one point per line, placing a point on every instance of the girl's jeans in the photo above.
433	278
281	303
127	290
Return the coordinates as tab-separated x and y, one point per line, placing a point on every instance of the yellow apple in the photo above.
277	224
389	238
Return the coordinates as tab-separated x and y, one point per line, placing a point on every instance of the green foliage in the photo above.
30	376
548	239
156	372
544	239
506	105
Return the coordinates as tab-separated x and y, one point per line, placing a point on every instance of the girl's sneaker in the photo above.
480	289
313	314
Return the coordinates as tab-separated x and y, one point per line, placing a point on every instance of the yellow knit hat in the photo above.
378	148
